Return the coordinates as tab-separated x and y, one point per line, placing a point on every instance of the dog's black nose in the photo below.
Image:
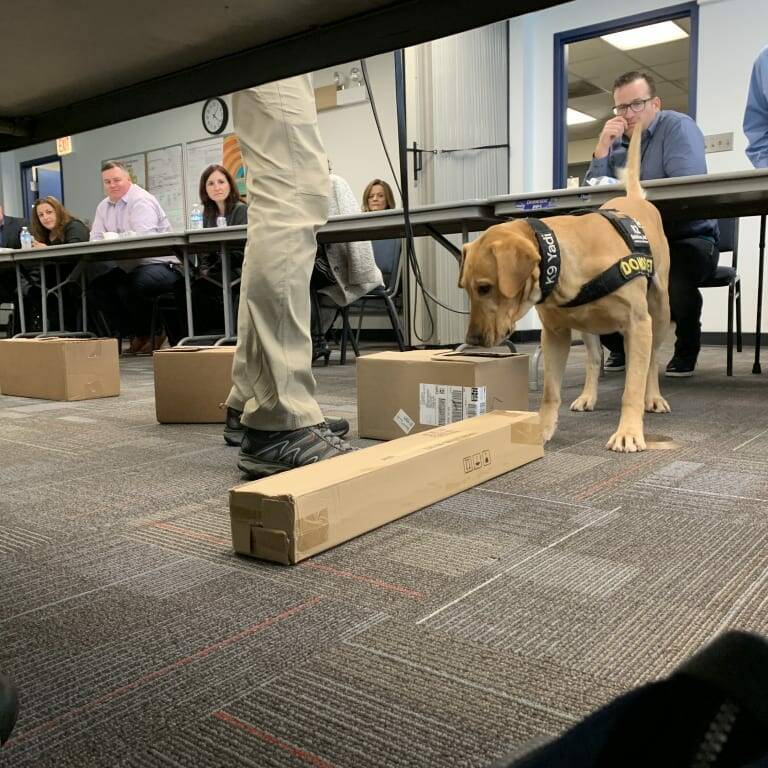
474	339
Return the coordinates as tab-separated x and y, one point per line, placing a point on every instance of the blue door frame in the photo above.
560	153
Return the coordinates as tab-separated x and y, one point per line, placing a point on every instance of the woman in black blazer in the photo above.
220	198
53	224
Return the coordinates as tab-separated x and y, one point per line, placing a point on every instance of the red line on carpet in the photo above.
590	490
366	580
302	754
158	673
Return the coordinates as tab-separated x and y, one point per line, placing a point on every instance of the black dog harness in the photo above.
637	263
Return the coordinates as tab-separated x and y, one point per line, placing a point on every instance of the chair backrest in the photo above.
387	254
729	238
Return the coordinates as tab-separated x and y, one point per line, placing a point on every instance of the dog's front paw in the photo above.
626	440
657	404
548	421
584	403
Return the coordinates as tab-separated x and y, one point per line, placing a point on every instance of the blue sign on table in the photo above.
535	204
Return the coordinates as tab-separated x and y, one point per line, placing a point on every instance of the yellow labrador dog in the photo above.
501	273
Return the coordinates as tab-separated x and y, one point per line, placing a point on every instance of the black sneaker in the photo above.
615	362
680	368
234	430
9	706
267	453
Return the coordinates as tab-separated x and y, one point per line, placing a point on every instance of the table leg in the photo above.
59	297
20	294
44	296
226	287
188	292
761	263
84	299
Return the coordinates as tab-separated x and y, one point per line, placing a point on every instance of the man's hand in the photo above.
612	130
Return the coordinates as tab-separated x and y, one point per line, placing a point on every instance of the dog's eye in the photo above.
483	290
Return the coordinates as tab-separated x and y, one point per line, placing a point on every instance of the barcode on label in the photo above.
457	404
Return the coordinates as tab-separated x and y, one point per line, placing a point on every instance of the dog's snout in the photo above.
474	339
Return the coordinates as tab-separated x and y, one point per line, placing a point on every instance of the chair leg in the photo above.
363	304
738	314
392	311
348	331
729	337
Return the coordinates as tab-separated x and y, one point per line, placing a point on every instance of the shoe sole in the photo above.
234	437
260	469
676	375
614	369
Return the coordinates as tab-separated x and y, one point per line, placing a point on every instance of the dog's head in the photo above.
500	272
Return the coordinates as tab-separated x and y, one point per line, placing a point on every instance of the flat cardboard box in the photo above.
59	369
294	515
402	393
192	384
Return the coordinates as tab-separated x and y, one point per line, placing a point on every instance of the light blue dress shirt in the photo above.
756	113
673	145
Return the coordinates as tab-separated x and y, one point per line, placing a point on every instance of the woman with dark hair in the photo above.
53	224
220	198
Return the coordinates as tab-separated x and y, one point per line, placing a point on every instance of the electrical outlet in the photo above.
718	142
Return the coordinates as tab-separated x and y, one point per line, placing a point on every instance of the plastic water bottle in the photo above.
221	221
196	217
26	239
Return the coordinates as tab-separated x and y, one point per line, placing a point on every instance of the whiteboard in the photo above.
201	154
137	167
165	180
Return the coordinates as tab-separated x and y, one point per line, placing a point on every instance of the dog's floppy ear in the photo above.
516	259
464	251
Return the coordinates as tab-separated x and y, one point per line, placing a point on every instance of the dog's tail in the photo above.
631	173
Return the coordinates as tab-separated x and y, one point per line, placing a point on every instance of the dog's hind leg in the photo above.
587	399
658	304
556	346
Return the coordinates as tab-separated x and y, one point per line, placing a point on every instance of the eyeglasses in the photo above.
638	105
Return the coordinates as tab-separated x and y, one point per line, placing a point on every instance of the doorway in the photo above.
662	43
40	178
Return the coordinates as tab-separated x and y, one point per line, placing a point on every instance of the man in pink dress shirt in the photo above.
125	292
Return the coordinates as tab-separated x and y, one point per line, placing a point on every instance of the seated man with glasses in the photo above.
673	145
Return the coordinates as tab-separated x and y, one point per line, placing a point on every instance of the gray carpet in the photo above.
447	638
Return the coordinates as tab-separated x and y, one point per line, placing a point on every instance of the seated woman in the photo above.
343	271
53	224
378	196
220	198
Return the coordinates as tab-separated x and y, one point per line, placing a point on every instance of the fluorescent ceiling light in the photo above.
642	37
574	117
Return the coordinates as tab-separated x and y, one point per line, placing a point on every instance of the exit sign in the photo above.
64	146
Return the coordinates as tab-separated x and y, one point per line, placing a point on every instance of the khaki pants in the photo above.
288	188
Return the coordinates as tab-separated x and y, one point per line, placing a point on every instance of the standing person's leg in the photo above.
692	261
288	189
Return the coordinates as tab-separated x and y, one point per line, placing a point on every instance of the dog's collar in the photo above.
549	248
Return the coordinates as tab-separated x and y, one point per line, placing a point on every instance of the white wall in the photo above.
349	133
731	33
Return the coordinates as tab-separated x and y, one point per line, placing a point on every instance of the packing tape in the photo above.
661	443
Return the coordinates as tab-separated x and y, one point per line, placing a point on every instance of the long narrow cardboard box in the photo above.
292	516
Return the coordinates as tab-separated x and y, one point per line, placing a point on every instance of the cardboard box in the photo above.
294	515
59	369
401	393
192	384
